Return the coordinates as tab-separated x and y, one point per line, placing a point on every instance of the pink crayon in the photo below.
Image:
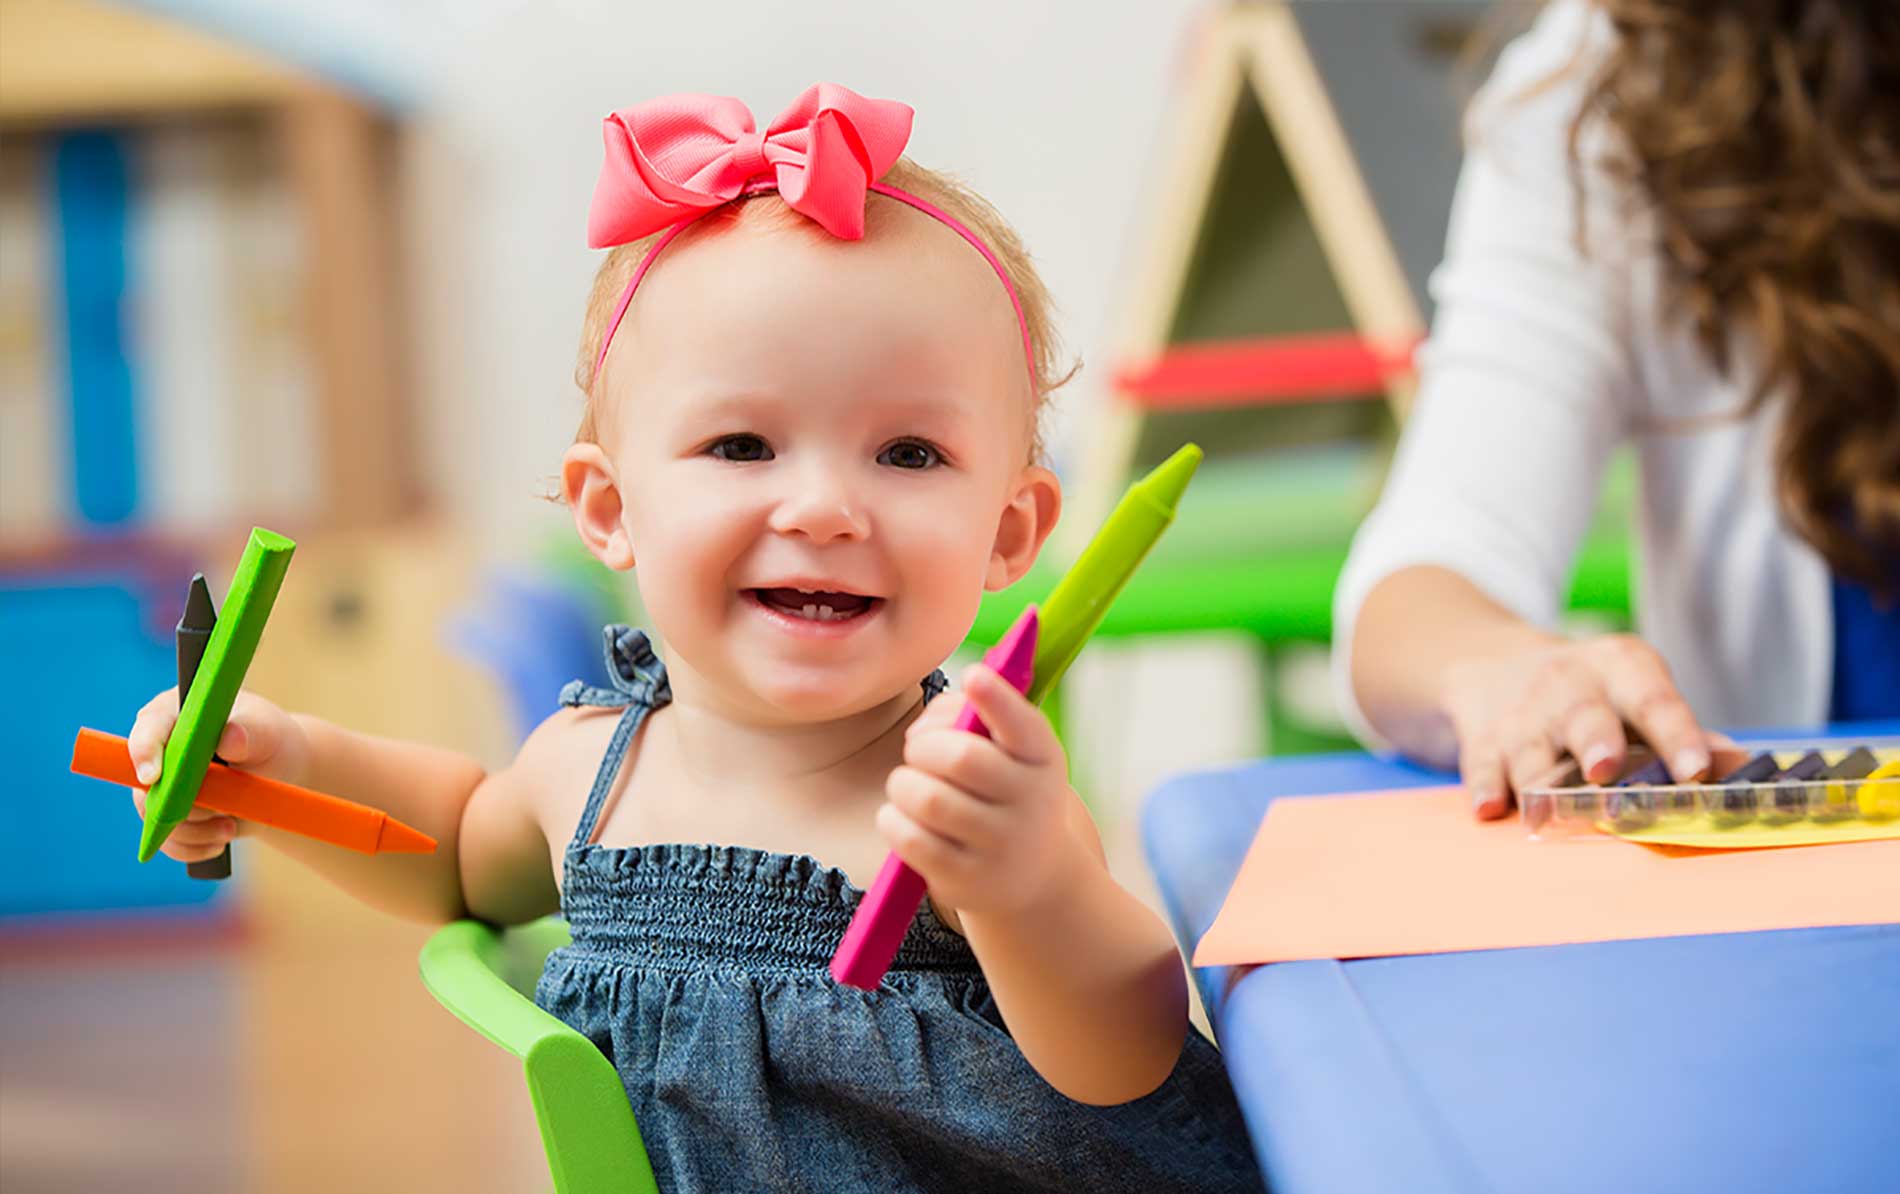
884	917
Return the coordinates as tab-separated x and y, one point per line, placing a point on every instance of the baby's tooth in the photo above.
810	611
826	613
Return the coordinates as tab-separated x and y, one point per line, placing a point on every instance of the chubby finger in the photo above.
969	761
150	729
943	808
252	735
182	853
924	851
212	834
1643	692
1015	725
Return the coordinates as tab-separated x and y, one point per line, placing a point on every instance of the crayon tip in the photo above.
397	838
1015	657
1165	485
271	541
151	838
200	614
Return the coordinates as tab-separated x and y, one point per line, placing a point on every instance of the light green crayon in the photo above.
260	573
1075	607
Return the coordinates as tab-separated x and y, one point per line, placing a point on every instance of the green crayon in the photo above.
247	606
1075	607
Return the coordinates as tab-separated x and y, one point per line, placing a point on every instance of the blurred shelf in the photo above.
272	194
64	62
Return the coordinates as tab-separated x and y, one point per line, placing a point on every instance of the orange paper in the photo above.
1413	872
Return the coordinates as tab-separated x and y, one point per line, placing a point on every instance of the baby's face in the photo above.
822	450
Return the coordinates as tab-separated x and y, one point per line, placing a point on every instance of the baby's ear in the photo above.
592	490
1024	527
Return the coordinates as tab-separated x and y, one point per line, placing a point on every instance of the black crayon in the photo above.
1635	810
193	636
1653	772
1732	805
1790	800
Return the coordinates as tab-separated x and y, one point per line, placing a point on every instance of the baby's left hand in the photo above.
983	820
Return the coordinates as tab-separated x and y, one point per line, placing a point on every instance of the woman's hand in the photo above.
983	820
1516	715
258	737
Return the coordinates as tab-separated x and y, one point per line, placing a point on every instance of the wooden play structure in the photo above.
1270	316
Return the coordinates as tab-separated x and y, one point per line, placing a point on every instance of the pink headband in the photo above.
673	160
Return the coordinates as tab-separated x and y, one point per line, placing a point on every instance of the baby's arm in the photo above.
1086	976
482	823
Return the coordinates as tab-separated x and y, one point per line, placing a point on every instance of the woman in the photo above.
1678	226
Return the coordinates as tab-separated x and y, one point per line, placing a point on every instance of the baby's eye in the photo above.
740	449
910	454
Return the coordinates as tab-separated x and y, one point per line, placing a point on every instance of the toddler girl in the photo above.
813	373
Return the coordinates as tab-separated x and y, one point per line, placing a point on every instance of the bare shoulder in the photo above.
565	731
555	767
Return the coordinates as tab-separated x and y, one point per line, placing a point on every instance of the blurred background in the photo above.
321	268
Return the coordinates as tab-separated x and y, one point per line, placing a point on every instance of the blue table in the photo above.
1739	1062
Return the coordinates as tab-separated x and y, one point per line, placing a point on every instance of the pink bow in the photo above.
675	157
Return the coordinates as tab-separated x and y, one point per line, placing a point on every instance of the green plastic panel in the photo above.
486	976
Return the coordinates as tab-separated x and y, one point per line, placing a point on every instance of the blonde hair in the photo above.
1047	367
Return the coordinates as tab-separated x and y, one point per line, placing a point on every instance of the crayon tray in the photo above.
1792	797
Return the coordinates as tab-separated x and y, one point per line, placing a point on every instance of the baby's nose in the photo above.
820	510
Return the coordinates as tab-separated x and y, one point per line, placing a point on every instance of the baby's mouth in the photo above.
821	605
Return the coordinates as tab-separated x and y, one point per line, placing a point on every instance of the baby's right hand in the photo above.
258	737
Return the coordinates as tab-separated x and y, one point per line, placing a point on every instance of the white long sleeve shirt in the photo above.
1541	360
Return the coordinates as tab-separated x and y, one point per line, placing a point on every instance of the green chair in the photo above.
486	976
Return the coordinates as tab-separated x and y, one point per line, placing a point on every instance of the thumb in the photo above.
247	740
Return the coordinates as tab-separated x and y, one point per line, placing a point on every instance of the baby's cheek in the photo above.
946	582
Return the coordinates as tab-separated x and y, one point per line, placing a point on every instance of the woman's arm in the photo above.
1434	620
1445	616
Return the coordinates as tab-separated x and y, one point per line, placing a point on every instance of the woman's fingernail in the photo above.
1487	804
1689	764
1594	759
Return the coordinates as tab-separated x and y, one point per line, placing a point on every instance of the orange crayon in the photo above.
265	801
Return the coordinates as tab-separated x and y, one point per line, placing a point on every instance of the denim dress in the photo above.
702	972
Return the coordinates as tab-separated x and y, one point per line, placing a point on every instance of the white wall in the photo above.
1050	108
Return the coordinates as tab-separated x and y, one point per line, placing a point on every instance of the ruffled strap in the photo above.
935	685
636	673
640	686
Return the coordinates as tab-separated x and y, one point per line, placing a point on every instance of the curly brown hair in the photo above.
1764	138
